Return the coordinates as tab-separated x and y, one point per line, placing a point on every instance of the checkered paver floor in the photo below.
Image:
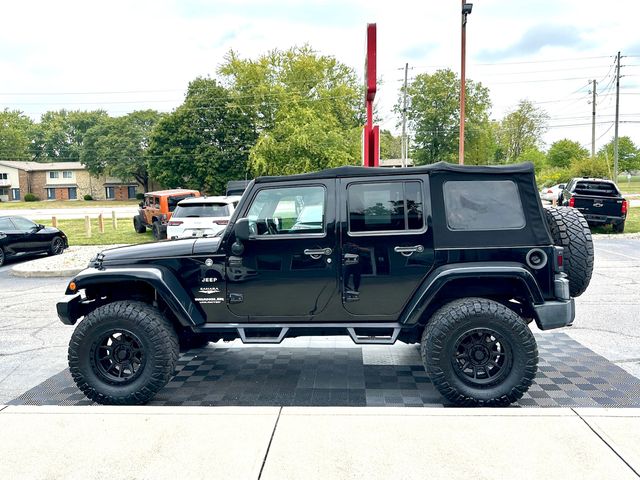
569	374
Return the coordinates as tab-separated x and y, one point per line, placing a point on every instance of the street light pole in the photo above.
466	10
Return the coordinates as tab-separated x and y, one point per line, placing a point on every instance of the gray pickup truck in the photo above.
599	201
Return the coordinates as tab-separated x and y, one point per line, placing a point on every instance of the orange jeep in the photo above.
155	211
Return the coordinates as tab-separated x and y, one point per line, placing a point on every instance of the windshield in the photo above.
202	210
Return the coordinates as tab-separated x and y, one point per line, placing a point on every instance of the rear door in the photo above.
386	245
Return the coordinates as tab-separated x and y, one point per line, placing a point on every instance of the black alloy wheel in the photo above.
57	246
118	357
481	357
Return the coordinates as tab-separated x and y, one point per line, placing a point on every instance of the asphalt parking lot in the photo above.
33	342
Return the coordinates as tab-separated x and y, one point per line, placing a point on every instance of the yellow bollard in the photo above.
87	226
101	223
54	222
114	219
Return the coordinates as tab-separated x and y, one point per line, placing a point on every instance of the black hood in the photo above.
165	249
173	248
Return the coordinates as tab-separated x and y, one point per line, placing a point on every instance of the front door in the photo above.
289	266
387	248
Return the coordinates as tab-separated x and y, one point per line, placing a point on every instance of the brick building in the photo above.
59	181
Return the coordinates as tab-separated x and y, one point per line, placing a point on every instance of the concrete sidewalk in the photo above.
316	442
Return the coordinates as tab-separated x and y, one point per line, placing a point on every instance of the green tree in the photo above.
521	130
433	116
118	146
305	108
535	156
60	135
390	146
16	130
204	143
628	154
563	152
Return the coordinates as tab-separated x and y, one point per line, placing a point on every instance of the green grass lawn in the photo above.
125	234
632	225
633	187
67	204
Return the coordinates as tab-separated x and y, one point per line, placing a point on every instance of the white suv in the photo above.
203	216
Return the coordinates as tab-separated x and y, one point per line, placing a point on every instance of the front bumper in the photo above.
69	309
556	314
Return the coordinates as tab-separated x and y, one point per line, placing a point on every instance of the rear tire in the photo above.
123	353
477	352
618	227
570	230
139	225
156	229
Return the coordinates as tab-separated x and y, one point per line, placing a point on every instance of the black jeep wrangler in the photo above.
457	259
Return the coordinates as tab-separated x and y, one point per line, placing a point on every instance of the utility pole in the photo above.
615	135
405	149
466	10
593	122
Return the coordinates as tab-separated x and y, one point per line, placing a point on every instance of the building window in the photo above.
110	193
73	193
54	174
3	191
67	174
15	194
131	192
51	193
3	176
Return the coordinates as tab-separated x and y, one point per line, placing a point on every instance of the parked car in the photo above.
599	200
237	187
201	216
19	235
156	209
552	193
458	259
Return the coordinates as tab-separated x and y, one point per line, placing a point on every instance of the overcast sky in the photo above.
129	55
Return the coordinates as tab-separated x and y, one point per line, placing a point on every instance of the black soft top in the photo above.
440	167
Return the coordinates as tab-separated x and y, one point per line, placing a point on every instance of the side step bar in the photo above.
360	333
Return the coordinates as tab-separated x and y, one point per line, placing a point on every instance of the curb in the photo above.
16	272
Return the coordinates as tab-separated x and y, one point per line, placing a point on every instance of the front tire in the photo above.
57	246
477	352
123	353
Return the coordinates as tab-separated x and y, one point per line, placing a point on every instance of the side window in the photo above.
23	223
288	211
483	205
385	207
156	202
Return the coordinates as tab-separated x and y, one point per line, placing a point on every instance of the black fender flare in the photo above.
441	276
161	279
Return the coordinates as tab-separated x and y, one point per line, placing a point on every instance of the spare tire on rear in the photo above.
570	230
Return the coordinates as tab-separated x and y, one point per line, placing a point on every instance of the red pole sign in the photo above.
371	137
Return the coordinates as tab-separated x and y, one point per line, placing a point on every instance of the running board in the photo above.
369	333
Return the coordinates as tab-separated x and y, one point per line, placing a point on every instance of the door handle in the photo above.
317	253
408	251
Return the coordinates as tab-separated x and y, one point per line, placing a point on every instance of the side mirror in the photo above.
141	204
242	230
40	226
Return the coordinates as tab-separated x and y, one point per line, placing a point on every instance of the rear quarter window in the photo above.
483	205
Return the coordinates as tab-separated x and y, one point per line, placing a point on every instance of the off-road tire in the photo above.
57	246
458	318
618	227
156	229
138	225
158	343
570	230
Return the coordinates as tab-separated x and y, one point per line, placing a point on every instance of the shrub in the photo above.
139	196
88	198
553	176
590	167
30	197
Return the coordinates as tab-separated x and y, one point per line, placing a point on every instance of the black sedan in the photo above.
19	235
